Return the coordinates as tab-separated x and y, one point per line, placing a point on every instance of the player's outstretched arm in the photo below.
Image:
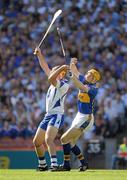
79	84
42	61
55	72
73	67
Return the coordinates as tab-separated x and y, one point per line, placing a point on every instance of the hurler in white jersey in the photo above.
55	97
53	120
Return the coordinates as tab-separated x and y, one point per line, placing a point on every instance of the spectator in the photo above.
121	154
94	32
99	127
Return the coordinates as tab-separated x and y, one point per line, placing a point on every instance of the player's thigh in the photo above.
39	137
71	134
75	139
51	133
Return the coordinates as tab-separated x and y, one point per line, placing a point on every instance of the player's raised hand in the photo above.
73	64
73	67
74	60
37	51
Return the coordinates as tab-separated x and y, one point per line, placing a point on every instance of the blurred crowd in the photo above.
94	31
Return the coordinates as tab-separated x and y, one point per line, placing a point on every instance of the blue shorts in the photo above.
55	120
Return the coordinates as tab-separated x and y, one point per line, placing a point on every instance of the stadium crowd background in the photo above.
94	31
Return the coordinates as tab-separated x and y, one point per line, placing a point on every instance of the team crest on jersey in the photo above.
84	97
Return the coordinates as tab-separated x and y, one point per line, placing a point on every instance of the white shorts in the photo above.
83	121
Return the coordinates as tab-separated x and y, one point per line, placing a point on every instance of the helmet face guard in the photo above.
62	74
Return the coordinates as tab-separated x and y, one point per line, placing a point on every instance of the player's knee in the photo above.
36	143
63	139
73	142
48	140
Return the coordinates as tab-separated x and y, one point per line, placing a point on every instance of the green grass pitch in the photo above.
72	175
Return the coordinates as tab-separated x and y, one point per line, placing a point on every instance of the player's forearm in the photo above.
74	69
78	84
43	64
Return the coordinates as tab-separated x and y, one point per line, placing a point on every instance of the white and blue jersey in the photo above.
55	105
55	97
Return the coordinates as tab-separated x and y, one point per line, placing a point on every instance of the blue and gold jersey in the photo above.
85	99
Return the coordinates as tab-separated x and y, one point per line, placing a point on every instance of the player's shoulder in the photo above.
81	78
61	83
64	81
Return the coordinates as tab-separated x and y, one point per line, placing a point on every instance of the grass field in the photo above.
72	175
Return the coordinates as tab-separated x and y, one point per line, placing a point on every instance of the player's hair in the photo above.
96	74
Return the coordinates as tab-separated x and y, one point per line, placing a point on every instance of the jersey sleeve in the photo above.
81	78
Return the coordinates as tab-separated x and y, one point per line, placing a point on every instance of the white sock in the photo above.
42	162
54	161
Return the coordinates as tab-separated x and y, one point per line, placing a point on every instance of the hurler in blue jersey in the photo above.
84	118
